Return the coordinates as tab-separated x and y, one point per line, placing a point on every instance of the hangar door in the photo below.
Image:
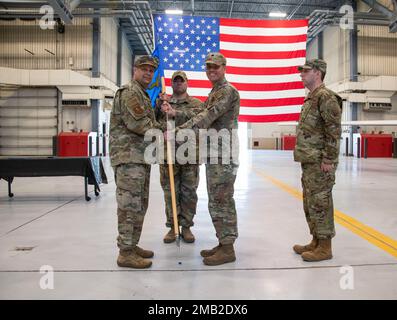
28	121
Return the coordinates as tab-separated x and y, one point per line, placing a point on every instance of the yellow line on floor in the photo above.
371	235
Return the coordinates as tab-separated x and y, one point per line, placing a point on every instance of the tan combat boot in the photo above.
210	252
170	236
187	235
322	252
299	249
224	254
143	253
130	259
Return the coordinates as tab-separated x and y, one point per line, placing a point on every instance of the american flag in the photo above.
262	59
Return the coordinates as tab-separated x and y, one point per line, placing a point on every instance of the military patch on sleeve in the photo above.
135	107
218	95
213	99
138	110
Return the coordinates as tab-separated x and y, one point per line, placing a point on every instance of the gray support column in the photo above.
55	146
320	46
96	58
394	147
59	112
133	60
96	47
353	72
119	53
95	107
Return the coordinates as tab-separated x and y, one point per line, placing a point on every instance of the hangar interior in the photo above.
61	76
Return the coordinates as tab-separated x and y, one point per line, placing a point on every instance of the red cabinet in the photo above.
378	145
73	144
288	142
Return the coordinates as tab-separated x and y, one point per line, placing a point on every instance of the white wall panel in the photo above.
126	61
336	54
76	118
377	52
385	115
29	120
77	45
24	45
108	58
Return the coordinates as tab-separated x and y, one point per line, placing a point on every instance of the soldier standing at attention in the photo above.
186	176
221	111
132	115
317	149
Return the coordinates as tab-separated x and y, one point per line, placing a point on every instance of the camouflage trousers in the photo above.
317	200
186	178
221	205
132	194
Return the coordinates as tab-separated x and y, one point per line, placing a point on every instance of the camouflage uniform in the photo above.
221	111
132	115
186	176
318	138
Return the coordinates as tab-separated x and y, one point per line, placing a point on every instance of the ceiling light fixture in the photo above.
277	14
173	11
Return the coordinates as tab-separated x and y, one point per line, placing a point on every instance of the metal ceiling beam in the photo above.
161	5
22	4
231	9
320	19
120	4
146	44
74	4
392	15
380	8
164	4
236	14
167	2
36	14
140	19
62	10
295	10
137	18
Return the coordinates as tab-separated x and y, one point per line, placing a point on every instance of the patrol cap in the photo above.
216	58
314	64
179	74
148	60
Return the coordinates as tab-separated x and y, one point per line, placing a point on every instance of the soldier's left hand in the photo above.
166	107
169	135
325	167
164	97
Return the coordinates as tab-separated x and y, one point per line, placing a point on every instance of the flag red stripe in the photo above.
193	83
264	55
247	86
272	102
263	23
262	71
268	86
262	39
267	102
269	118
202	98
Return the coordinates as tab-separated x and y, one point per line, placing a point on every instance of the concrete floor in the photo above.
77	239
